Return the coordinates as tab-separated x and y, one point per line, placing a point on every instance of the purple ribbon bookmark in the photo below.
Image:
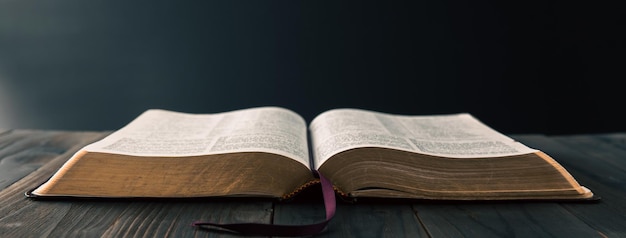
260	229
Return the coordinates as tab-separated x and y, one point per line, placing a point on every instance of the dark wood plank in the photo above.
155	219
599	163
514	219
24	151
127	219
355	220
43	152
20	216
616	139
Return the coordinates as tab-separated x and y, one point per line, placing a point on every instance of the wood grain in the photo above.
23	151
355	220
502	220
33	156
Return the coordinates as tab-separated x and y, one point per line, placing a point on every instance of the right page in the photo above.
453	156
454	135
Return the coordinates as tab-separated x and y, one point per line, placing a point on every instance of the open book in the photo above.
271	152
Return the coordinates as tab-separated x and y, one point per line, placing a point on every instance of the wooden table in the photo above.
29	157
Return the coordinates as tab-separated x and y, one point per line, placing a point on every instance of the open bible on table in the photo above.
272	152
264	152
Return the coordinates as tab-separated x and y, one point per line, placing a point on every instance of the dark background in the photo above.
552	67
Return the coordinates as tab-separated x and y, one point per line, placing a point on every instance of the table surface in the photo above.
29	157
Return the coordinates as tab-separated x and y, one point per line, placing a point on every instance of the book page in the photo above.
455	135
173	134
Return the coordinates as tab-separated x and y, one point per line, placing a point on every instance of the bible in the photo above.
271	152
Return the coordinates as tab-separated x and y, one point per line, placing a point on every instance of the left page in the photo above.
174	134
